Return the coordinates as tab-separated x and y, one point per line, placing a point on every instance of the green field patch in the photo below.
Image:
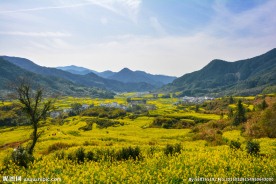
74	133
113	139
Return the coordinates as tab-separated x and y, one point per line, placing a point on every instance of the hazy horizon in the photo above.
159	37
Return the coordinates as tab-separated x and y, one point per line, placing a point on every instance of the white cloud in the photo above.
154	22
259	21
104	20
164	55
167	54
126	8
44	8
36	34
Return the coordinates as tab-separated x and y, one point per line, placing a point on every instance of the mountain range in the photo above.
83	71
88	80
218	78
10	73
125	75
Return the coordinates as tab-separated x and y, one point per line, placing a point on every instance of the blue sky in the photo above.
171	37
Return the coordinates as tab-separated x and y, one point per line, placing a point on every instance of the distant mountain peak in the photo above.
125	70
126	75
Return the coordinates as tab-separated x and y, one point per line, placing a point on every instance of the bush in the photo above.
105	123
152	150
253	147
90	156
21	157
165	125
168	149
58	146
177	148
80	155
235	145
87	127
262	124
98	155
71	156
60	155
172	149
105	112
128	153
74	133
172	123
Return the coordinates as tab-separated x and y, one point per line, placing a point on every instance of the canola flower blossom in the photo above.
218	162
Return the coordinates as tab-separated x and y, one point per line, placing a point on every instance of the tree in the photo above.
76	109
34	106
231	100
240	114
230	113
264	105
197	108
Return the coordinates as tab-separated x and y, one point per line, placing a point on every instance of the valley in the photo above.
215	124
149	138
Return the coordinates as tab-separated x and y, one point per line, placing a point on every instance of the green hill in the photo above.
88	80
218	78
9	73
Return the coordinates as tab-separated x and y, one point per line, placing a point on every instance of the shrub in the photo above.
74	133
177	148
168	149
235	145
109	155
262	124
71	156
87	127
128	153
21	157
105	123
90	143
60	154
165	125
80	155
172	149
253	147
90	156
172	123
58	146
105	112
152	150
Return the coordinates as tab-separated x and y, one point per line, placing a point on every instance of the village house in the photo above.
113	105
195	100
55	114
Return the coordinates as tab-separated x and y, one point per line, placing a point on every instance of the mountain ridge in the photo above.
219	77
88	80
124	75
10	73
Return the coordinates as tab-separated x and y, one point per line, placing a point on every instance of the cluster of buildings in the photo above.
194	100
114	105
131	104
57	113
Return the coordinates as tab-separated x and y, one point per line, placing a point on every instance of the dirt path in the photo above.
12	144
